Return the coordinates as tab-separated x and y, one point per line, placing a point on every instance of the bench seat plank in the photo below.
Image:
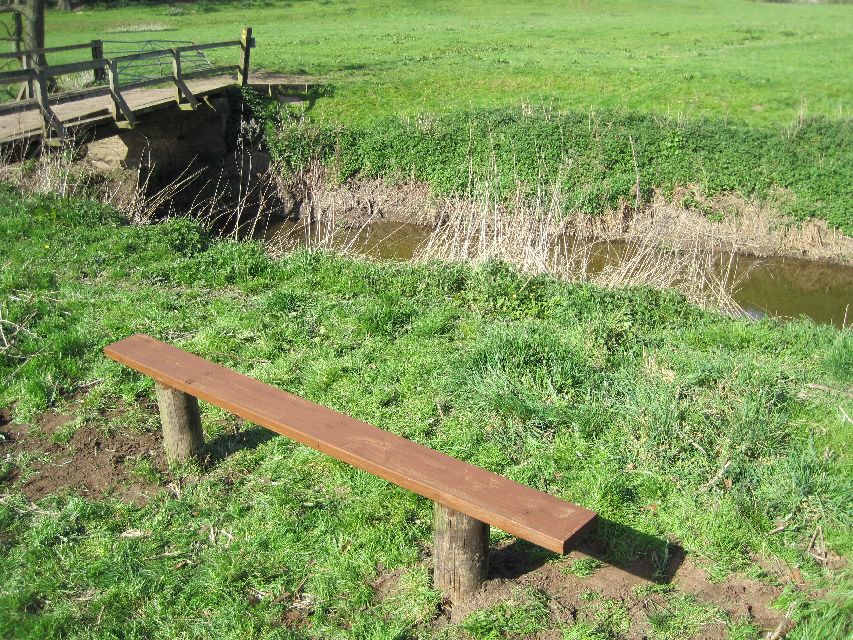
515	508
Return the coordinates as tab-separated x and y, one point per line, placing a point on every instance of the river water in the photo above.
778	287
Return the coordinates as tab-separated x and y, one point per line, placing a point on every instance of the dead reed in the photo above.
536	235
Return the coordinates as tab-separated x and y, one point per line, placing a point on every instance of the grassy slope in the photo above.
759	62
616	399
594	161
712	93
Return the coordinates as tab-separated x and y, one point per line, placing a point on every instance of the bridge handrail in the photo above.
35	78
43	51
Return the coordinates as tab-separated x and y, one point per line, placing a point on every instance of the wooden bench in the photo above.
467	498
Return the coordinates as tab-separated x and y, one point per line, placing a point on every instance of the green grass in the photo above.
593	161
754	61
627	402
721	96
521	617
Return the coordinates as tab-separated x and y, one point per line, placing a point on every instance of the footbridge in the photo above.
115	89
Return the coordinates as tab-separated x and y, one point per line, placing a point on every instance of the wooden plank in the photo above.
17	107
211	45
144	55
224	70
517	509
141	84
163	53
78	94
36	52
51	71
13	77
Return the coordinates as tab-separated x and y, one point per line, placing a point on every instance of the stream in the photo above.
776	286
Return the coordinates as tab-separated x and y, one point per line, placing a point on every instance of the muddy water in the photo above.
778	287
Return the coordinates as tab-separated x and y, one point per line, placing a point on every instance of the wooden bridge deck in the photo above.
27	125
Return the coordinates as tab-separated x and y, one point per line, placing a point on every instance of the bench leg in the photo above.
461	553
179	415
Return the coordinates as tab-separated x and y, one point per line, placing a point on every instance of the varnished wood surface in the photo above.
515	508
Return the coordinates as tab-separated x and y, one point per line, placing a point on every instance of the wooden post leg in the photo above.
182	435
246	44
50	123
461	553
183	96
18	20
122	113
27	91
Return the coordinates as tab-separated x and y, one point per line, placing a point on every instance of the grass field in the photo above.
716	450
763	63
629	402
590	98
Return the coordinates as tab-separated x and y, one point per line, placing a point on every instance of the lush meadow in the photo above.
629	402
765	63
598	100
687	430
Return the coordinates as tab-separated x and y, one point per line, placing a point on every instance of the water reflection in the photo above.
779	287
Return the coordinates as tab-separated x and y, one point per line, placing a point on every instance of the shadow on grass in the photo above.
309	96
640	554
226	444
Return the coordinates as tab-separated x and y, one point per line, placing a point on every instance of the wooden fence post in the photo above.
183	95
49	120
27	91
461	553
246	44
182	435
18	20
122	113
98	54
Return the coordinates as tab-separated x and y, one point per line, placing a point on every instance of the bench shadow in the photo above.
640	554
226	444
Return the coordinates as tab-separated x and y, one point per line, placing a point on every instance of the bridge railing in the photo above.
36	79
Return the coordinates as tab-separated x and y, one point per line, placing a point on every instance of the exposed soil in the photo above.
93	463
575	599
728	222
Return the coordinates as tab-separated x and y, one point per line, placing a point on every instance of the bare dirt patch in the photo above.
92	463
575	599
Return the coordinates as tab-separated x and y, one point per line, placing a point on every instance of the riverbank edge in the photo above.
727	222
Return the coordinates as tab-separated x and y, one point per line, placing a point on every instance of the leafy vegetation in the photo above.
519	618
728	96
593	161
629	402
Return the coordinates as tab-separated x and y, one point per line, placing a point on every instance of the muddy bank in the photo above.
728	222
748	262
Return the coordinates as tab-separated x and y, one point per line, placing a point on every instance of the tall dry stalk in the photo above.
538	237
236	198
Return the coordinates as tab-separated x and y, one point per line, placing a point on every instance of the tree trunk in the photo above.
63	5
33	12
